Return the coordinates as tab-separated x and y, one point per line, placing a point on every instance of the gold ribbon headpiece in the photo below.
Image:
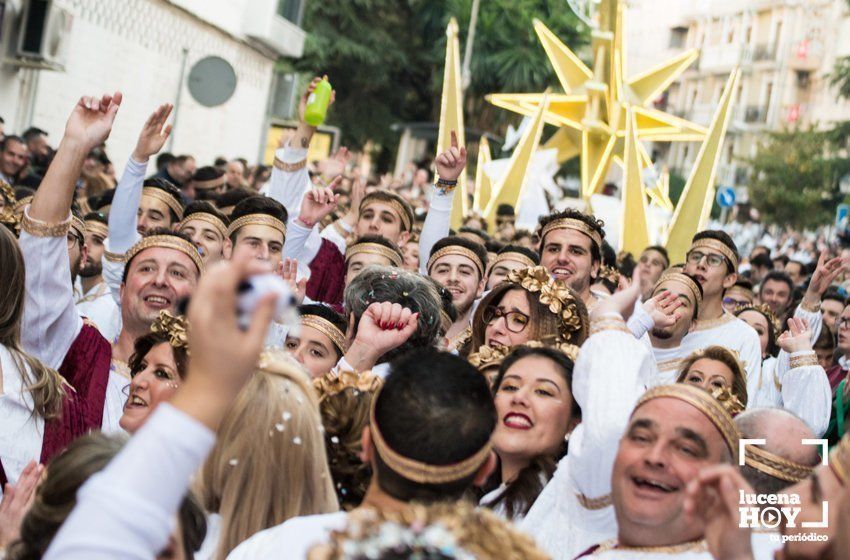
209	183
256	220
374	249
575	224
747	293
457	250
328	329
685	280
774	465
174	327
418	471
96	227
211	219
703	401
166	199
512	256
166	242
719	246
333	383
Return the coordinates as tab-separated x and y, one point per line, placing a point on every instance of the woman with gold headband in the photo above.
529	305
321	340
716	368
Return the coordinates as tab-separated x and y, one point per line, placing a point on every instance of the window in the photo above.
291	10
678	37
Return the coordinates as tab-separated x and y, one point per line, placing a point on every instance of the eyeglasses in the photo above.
713	260
72	238
515	321
842	323
735	302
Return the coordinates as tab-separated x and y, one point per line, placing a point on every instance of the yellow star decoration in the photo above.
593	115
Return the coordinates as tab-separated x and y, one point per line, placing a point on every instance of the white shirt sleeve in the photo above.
640	322
301	243
125	207
287	187
806	392
436	226
127	510
51	322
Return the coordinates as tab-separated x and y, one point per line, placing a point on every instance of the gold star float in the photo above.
599	105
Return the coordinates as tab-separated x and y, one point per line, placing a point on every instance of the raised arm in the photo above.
805	389
51	321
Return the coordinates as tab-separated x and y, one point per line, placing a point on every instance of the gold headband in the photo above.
395	204
749	294
328	329
420	472
511	256
683	279
79	226
96	227
257	220
703	401
764	310
457	250
572	223
211	219
374	249
774	465
209	183
719	246
333	383
175	328
166	199
166	242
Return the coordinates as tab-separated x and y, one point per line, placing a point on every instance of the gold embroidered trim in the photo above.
804	360
704	325
333	383
608	324
211	219
166	199
669	365
774	465
167	242
289	167
23	203
257	220
420	472
113	257
810	309
100	290
696	546
511	256
573	223
328	329
682	279
37	228
594	504
718	246
340	229
703	401
95	227
457	250
374	249
209	183
402	212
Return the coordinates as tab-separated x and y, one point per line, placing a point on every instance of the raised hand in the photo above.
154	133
798	337
450	163
825	274
288	270
383	327
91	120
622	302
17	501
663	309
317	203
358	191
311	87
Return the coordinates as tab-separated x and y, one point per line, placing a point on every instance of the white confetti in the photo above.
279	427
334	439
286	416
234	462
296	440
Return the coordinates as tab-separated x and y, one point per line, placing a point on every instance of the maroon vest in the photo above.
836	375
86	369
327	275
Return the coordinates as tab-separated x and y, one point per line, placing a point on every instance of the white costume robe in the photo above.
21	431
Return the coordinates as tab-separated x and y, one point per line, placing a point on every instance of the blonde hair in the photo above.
269	463
725	357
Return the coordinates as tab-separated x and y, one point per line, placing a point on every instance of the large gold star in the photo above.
593	113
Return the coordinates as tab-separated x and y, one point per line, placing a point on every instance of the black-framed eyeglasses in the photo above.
842	323
515	321
734	302
714	260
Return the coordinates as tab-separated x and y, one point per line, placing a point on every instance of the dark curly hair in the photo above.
145	343
592	221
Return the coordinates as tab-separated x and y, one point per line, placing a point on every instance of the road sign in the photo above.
842	213
725	197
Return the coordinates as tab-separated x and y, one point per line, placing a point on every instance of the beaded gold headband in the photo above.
703	401
511	256
420	472
374	249
328	329
79	226
211	219
457	250
333	383
572	223
175	328
395	204
719	246
683	279
96	227
166	199
209	183
764	310
256	220
774	465
166	242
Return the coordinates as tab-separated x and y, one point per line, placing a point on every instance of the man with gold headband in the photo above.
154	275
741	293
96	302
426	396
508	259
368	250
459	264
207	227
571	250
257	228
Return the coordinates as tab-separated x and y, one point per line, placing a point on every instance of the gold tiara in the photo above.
457	250
402	212
418	471
488	356
572	223
166	199
328	329
774	465
79	226
719	246
764	310
512	256
166	242
209	183
173	327
256	220
683	279
96	227
333	383
703	401
374	249
211	219
555	295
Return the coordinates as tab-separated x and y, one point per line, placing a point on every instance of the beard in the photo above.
91	270
75	268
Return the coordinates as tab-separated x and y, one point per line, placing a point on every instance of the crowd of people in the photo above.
488	392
